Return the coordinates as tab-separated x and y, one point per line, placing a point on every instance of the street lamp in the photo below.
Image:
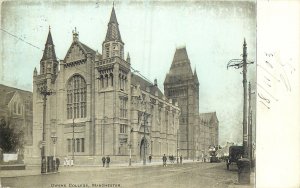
54	139
44	92
130	145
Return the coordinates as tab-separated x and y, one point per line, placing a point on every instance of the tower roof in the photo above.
180	68
113	32
49	52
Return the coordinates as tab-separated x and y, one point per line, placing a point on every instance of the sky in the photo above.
212	32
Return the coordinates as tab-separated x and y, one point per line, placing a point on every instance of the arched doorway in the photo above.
143	148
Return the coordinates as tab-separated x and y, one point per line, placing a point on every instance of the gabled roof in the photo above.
208	117
137	80
9	96
86	49
180	69
7	93
113	32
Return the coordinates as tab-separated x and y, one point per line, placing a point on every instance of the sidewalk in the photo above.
36	170
251	185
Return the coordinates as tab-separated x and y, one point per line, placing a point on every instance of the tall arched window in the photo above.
76	97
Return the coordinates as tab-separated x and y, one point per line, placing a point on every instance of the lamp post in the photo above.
54	139
177	146
45	92
130	145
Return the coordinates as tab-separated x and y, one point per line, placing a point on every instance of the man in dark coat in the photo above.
107	161
180	159
57	161
164	160
103	161
150	157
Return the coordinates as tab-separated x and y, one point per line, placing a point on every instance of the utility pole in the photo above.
250	127
45	92
242	63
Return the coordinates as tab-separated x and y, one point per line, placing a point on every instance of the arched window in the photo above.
15	107
111	76
76	97
106	80
19	108
102	81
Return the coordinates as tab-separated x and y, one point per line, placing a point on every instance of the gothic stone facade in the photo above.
196	131
99	102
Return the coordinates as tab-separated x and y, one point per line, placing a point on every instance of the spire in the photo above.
49	38
196	76
113	32
128	58
49	52
75	35
35	72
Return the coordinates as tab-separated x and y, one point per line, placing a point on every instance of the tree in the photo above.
10	139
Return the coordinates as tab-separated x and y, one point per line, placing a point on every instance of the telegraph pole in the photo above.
242	63
45	92
245	98
250	127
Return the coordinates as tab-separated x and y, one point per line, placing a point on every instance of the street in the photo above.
186	175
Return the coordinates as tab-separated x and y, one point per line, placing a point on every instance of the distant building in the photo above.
114	110
209	125
16	110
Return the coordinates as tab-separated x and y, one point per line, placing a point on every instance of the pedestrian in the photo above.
103	161
71	162
180	159
164	160
150	157
57	163
107	161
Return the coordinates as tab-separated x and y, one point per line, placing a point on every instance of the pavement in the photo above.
35	171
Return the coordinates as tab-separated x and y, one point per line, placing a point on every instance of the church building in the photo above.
96	106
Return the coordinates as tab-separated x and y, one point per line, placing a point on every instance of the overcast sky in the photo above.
213	33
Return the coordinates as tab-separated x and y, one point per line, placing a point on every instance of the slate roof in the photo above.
135	80
87	49
49	51
207	117
113	32
181	68
7	93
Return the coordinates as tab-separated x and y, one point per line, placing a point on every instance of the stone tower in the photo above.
44	81
182	86
113	89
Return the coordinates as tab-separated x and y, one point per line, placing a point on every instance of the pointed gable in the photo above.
181	68
113	32
78	51
49	52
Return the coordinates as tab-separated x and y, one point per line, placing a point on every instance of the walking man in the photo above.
164	160
107	161
103	161
57	161
180	159
150	157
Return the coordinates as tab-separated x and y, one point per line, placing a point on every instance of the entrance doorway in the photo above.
143	148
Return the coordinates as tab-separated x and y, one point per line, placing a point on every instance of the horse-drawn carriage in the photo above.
235	153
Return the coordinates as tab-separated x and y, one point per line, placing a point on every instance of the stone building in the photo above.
196	131
98	107
209	125
16	110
